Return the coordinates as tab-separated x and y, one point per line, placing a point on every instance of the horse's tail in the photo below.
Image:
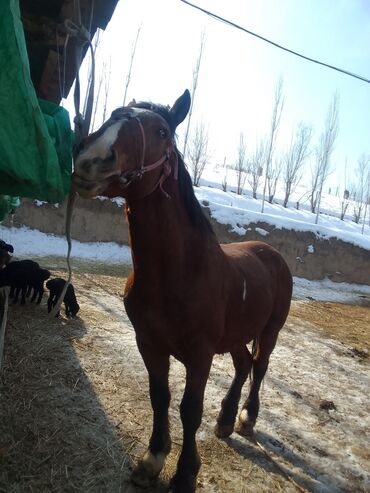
254	347
255	350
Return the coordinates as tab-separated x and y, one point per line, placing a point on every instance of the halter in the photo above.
128	177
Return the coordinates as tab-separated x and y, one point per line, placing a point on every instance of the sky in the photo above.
239	73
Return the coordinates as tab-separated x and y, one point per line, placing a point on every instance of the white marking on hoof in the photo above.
148	469
243	416
153	463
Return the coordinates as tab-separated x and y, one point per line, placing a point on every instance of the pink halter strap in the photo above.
163	161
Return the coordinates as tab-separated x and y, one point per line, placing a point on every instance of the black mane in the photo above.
191	203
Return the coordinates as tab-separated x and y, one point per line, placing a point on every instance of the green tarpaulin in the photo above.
35	136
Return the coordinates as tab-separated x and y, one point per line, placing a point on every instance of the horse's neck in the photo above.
162	235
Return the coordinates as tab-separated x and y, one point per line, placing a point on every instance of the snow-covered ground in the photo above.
33	244
240	210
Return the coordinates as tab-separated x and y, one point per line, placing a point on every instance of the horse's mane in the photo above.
191	203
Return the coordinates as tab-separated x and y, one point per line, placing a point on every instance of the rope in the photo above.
82	124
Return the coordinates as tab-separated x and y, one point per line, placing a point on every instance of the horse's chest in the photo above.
172	321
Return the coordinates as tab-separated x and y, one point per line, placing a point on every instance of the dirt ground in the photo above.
75	412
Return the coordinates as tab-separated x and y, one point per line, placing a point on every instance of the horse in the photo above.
187	296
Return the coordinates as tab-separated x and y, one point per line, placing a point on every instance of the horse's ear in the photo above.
132	103
180	109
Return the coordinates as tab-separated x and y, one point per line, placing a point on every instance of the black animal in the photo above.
6	246
36	282
23	276
5	250
4	258
14	269
55	287
34	279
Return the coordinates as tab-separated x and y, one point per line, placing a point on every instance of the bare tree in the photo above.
95	45
274	127
273	176
133	52
294	159
102	93
321	168
224	179
255	167
198	152
97	100
107	78
344	203
361	187
194	88
240	166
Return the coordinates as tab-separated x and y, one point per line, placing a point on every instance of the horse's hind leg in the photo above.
151	464
242	360
265	345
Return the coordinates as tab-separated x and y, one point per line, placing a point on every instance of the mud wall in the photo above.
307	255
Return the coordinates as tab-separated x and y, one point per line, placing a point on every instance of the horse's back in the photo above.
257	257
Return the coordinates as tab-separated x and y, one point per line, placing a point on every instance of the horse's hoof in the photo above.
223	431
245	428
141	478
147	471
181	485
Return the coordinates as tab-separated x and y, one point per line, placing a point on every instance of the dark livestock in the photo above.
23	276
55	287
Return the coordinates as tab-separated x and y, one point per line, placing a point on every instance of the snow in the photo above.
240	210
32	243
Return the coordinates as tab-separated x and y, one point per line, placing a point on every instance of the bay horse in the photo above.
187	295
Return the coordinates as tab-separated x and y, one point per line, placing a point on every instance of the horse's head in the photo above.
131	151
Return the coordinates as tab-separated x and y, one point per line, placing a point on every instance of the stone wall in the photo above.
307	255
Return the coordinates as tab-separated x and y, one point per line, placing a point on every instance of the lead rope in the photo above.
82	126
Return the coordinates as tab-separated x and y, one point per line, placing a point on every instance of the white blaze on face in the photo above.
101	147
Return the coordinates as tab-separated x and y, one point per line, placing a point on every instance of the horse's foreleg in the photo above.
242	360
191	410
151	464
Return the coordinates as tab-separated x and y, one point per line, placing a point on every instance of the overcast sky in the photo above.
239	73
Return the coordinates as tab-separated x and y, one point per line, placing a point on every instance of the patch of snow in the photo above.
311	249
119	201
32	243
262	232
327	290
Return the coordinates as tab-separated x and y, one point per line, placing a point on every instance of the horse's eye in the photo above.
162	133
